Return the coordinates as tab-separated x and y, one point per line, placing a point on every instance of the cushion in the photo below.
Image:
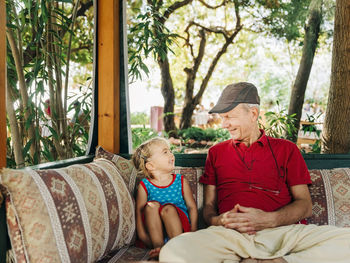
330	193
75	214
124	166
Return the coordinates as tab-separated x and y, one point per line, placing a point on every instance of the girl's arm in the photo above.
141	200
191	204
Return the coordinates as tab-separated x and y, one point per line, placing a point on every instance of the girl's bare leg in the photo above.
154	224
171	221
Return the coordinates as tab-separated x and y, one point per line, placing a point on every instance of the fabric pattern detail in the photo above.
65	220
86	212
125	167
127	223
319	199
339	179
109	193
75	214
127	254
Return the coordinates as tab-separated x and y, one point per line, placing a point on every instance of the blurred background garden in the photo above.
181	55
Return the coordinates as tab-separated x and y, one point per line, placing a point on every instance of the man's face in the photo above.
240	122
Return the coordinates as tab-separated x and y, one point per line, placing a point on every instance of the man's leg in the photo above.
276	260
206	246
322	244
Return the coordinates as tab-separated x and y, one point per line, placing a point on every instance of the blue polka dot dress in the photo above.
170	194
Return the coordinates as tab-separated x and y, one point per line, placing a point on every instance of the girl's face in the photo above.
162	159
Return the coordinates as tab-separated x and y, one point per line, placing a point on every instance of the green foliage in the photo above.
148	36
194	133
311	127
285	19
279	124
210	134
140	135
139	118
43	36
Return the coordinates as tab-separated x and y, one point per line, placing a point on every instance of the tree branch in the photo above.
174	7
212	7
192	72
229	40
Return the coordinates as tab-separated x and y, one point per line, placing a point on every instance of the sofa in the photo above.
85	212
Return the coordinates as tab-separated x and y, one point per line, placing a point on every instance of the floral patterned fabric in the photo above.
74	214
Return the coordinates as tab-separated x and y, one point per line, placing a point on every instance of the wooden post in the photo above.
108	72
3	134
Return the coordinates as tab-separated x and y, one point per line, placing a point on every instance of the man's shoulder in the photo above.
283	143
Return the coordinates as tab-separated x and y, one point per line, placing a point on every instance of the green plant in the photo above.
139	118
194	133
210	134
139	135
44	39
311	127
148	36
279	124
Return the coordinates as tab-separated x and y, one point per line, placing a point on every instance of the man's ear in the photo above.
255	113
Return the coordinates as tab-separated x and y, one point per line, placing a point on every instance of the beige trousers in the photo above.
295	243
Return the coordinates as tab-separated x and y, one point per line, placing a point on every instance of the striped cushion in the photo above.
75	214
124	166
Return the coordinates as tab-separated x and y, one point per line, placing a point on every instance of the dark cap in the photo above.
234	94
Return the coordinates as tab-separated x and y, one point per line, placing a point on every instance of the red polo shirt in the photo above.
248	175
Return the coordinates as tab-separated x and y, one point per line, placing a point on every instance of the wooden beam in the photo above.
108	72
3	134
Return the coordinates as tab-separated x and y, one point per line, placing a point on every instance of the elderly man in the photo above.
256	198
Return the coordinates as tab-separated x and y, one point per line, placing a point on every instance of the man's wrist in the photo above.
215	221
273	219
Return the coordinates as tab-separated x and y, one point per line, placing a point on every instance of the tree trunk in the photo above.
336	130
15	134
168	93
312	29
23	91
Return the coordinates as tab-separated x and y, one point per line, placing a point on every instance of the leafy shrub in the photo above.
279	124
139	135
221	135
210	134
139	118
194	133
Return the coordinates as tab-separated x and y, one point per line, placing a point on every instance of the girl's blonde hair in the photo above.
143	153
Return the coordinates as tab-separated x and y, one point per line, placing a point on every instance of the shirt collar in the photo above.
261	141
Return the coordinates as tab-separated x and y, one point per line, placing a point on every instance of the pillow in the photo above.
330	193
75	214
124	166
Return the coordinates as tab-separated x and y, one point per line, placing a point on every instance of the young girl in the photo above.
165	206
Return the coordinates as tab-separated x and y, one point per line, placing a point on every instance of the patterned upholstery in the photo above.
75	214
101	195
125	167
330	192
